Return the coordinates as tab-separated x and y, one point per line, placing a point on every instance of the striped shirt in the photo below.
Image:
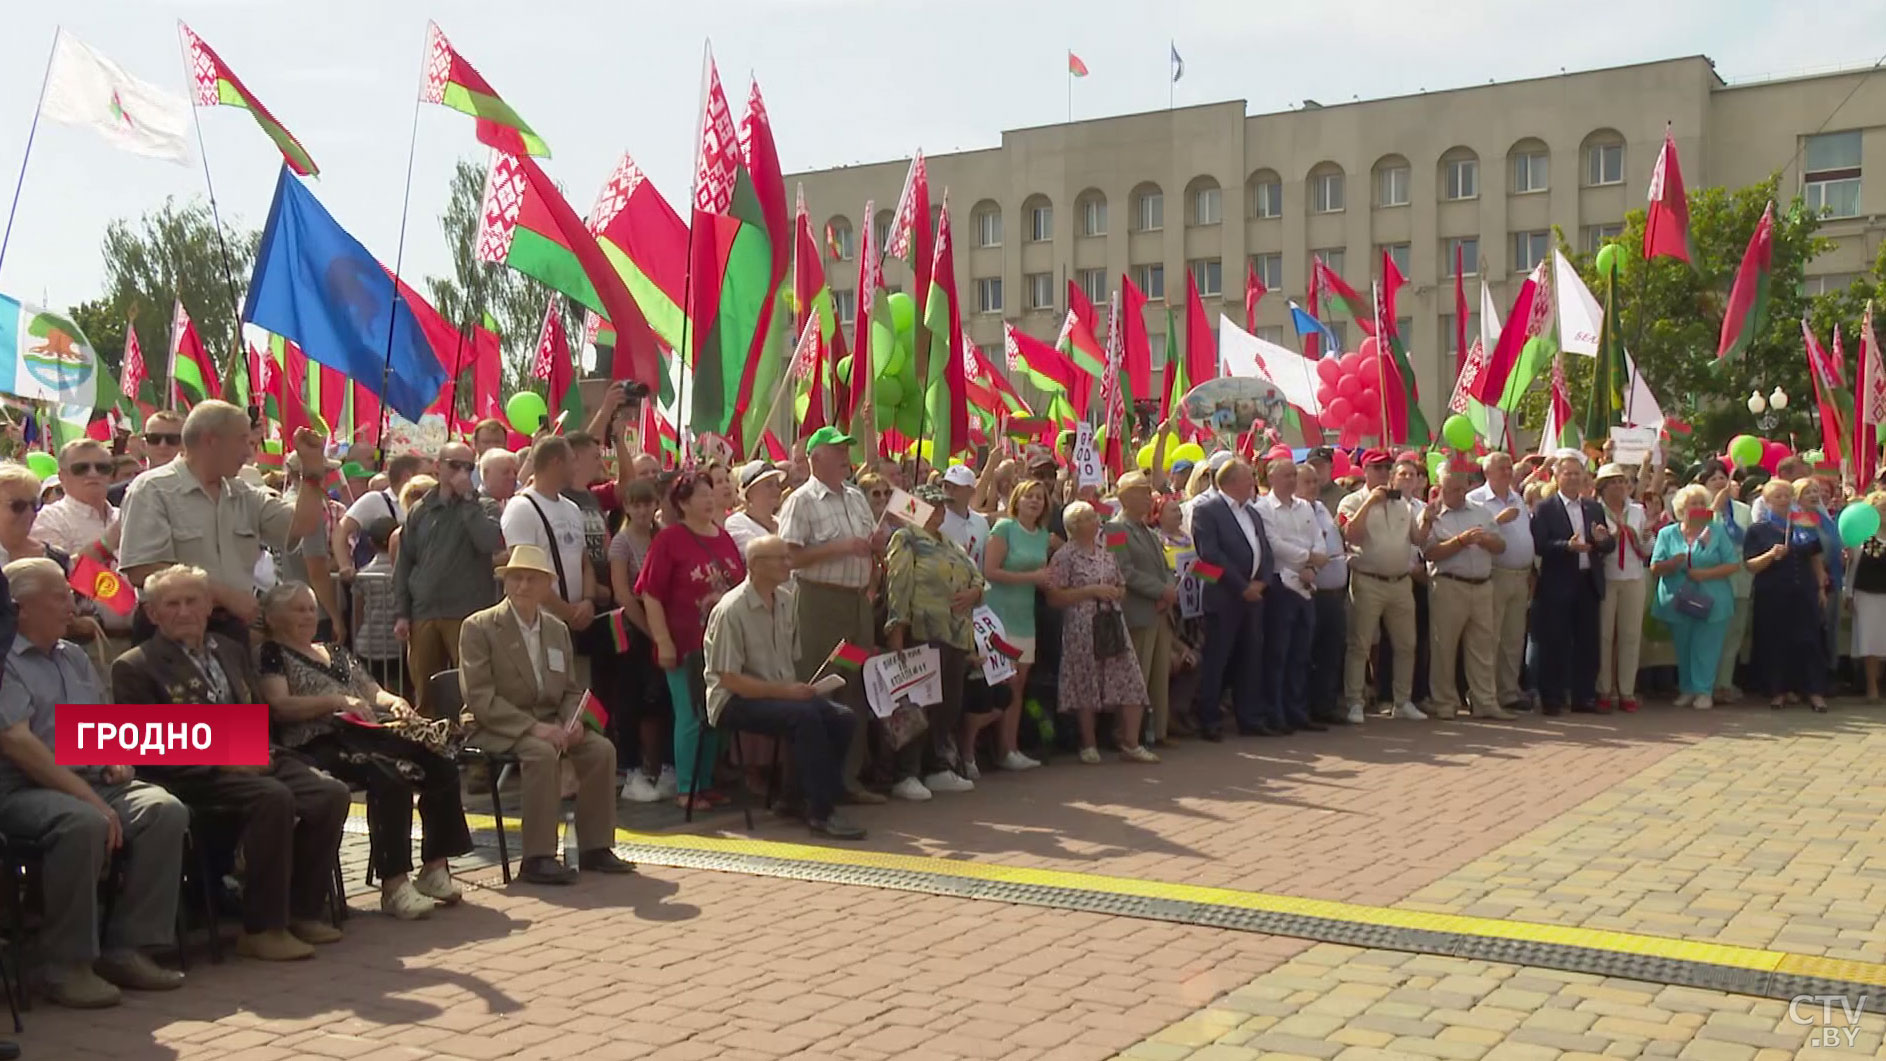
815	515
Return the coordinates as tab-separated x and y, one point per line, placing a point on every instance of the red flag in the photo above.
1074	65
1460	317
193	375
870	278
1111	403
1519	328
450	81
133	365
1392	281
1821	371
1137	360
1747	310
1667	220
102	584
761	160
1313	305
1333	285
1079	342
1254	292
943	278
487	373
911	236
1201	349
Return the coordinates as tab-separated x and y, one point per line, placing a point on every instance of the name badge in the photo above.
553	658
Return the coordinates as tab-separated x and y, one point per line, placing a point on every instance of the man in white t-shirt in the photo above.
540	515
968	529
369	507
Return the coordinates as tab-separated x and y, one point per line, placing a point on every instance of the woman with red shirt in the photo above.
689	567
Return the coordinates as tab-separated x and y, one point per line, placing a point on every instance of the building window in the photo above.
1604	164
1270	270
1391	186
845	305
1597	236
1208	273
846	240
1827	283
1271	333
883	226
1094	217
1040	224
1151	280
1399	253
1529	249
1267	199
1326	193
1040	290
989	294
1466	249
1333	257
1461	179
1207	206
1149	214
1093	284
1448	338
1832	173
1530	172
989	229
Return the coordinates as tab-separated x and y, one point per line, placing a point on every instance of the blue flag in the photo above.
315	284
1308	325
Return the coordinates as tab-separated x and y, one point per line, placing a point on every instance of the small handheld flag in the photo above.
102	584
847	655
591	714
996	642
1116	541
618	630
1205	572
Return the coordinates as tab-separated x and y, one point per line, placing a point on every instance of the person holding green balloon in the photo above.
1860	530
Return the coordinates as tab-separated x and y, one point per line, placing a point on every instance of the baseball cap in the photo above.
754	471
827	436
1219	459
1376	455
1043	461
960	475
354	470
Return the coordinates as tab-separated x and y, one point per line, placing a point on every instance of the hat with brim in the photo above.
756	472
827	436
1612	471
529	558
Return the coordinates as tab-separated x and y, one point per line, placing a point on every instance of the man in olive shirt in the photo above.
444	571
1378	527
1462	539
195	511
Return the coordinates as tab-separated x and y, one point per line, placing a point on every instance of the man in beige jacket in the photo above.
516	668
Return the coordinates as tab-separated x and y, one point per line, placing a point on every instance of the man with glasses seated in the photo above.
163	440
443	573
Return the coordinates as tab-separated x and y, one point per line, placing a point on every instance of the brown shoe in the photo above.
862	797
76	986
275	945
314	931
132	970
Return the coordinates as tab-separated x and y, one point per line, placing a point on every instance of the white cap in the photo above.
1219	459
960	475
1569	452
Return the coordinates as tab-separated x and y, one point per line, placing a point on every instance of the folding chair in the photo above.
746	797
448	700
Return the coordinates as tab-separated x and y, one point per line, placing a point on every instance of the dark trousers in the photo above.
936	750
1234	653
1328	640
818	731
1289	626
1565	628
290	830
391	769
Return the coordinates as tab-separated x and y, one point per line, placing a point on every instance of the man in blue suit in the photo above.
1229	534
1571	539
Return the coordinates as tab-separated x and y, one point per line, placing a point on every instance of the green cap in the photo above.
827	436
353	470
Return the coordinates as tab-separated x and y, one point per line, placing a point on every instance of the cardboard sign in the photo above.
913	677
907	508
1630	444
1191	590
1087	468
997	667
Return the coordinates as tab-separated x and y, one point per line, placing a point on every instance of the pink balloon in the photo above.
1369	368
1340	465
1349	387
1348	440
1773	453
1328	369
1338	411
1369	347
1370	399
1358	424
1325	394
1350	362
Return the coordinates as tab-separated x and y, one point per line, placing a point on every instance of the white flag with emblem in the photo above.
85	88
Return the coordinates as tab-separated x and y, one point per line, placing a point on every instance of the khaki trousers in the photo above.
1512	597
1153	647
1373	602
1620	636
828	615
542	784
1734	643
433	647
1460	620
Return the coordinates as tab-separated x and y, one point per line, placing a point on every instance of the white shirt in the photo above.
1518	533
1335	574
522	526
1190	505
971	532
1626	565
1249	526
375	505
1294	536
533	643
71	524
1576	513
743	528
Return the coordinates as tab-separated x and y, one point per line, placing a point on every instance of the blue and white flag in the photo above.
1178	64
44	357
1308	325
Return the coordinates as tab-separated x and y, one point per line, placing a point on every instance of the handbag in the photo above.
904	725
1109	631
1692	603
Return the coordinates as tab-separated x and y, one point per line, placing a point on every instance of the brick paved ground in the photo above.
690	964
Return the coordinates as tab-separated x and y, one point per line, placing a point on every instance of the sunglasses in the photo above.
457	466
90	468
156	438
19	506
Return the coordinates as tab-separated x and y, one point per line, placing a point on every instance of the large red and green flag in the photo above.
450	81
554	366
760	203
1402	419
1047	369
945	390
1080	342
1528	319
870	288
647	243
1830	396
992	395
217	85
1869	421
192	370
1112	402
1201	346
911	239
1333	286
1747	311
812	297
806	377
1558	431
1667	219
1137	363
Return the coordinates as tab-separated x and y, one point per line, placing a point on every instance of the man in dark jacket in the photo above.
1571	539
1236	560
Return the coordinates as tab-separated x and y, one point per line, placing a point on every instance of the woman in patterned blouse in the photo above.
932	586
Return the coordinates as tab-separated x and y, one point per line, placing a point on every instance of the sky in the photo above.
845	81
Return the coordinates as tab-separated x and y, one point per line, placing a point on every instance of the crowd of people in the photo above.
626	630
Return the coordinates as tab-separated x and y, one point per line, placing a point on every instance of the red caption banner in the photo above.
161	735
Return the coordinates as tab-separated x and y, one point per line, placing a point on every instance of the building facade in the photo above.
1481	175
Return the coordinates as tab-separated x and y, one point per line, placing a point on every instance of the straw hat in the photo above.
528	558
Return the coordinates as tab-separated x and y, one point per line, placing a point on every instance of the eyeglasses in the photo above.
880	493
90	468
19	506
163	438
457	466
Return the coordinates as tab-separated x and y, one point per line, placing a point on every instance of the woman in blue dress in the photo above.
1788	601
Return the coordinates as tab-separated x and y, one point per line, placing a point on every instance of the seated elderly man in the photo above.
84	816
752	660
517	670
290	815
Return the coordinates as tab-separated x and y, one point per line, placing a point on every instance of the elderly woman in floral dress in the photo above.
1085	582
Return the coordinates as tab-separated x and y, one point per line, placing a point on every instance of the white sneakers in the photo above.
948	781
911	789
1090	756
969	768
1015	760
1683	699
1702	703
639	789
436	883
1409	711
1355	714
405	902
1138	753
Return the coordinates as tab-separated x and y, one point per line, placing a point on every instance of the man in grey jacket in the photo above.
444	571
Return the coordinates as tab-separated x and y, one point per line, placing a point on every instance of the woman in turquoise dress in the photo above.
1695	553
1015	561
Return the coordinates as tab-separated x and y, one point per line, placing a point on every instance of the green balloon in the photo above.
844	369
1436	459
1858	522
885	414
1607	258
1458	431
44	465
911	419
799	406
1745	451
890	391
891	365
526	412
903	313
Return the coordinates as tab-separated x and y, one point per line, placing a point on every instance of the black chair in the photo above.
16	855
732	735
447	700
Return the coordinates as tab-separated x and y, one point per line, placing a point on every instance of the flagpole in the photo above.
222	244
31	131
458	369
684	419
399	262
1381	369
1172	83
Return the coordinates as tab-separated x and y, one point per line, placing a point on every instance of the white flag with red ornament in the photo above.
133	365
1470	370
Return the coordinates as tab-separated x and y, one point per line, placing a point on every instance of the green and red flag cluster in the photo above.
1334	286
192	371
450	81
217	85
1830	392
646	242
945	398
1079	342
1747	311
1047	369
1136	359
554	366
870	289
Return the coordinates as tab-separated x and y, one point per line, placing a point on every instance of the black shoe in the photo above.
9	1050
603	860
543	869
1313	727
1585	709
834	828
1259	730
1211	736
1553	709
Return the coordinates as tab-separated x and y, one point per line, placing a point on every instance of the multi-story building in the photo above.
1489	171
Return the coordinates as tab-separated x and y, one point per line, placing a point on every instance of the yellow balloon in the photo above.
1190	451
1173	449
920	450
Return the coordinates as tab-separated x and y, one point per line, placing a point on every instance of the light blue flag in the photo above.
1308	325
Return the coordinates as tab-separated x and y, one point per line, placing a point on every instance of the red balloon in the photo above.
1369	347
1773	453
1350	362
1359	424
1325	394
1346	440
1340	465
1338	411
1370	399
1349	387
1370	368
1328	369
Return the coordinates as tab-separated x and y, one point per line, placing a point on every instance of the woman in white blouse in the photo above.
1621	614
758	514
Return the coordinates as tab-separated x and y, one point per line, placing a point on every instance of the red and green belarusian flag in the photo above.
554	366
1747	310
1667	219
812	297
766	186
1830	393
192	371
870	289
911	239
451	82
647	244
1402	419
132	366
217	85
1334	286
1075	67
946	405
1048	369
1079	342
